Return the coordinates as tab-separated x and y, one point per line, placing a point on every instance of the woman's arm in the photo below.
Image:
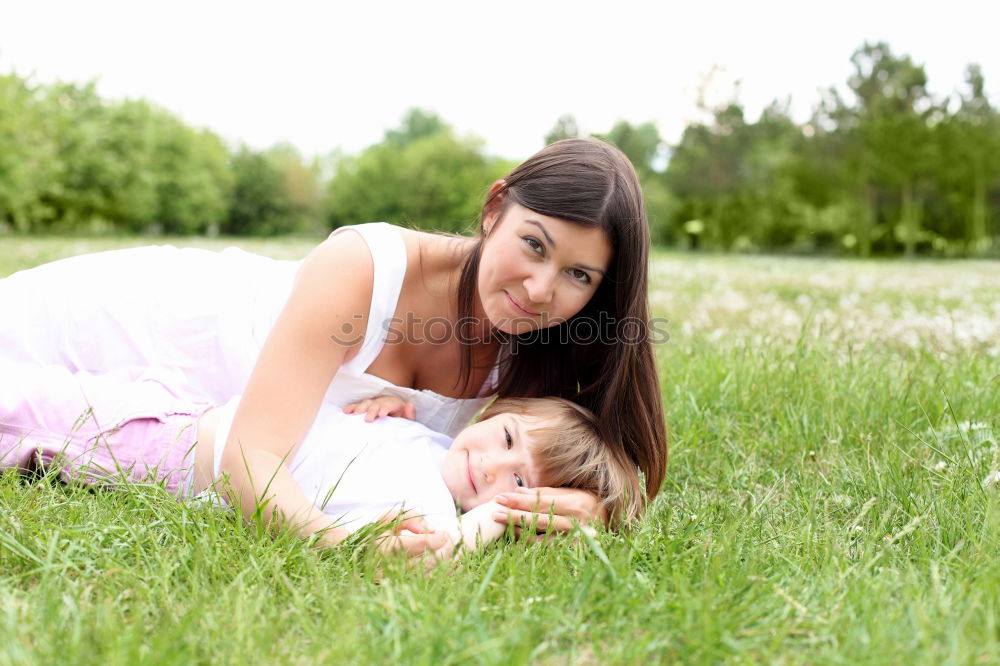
533	505
321	326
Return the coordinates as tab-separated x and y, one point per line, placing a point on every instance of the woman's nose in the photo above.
539	285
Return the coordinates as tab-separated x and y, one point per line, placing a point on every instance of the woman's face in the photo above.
538	271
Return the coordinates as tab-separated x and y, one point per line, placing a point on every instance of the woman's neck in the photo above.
442	260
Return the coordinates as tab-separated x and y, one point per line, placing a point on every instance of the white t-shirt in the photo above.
357	472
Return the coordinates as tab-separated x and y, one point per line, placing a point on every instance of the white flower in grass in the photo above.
992	479
940	466
791	319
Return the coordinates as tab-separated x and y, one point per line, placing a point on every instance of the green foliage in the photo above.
565	128
644	147
193	181
70	161
74	162
416	124
275	192
258	197
737	179
886	169
890	170
640	143
421	174
29	164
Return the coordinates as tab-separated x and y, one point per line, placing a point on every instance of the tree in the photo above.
735	179
565	128
274	192
971	141
28	157
417	124
302	187
436	181
891	113
640	143
87	174
193	181
260	204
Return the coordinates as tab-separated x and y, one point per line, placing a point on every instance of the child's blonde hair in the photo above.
572	451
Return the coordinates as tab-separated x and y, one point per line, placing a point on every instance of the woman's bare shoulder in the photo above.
429	254
335	280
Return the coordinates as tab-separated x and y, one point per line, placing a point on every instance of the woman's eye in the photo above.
534	244
580	276
510	440
519	481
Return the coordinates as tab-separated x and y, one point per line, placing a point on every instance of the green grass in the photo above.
832	423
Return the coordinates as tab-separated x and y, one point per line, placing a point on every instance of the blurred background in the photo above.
855	128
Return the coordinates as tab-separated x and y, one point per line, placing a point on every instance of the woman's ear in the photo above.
495	199
496	187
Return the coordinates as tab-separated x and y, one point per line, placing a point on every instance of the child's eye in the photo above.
534	244
510	441
519	481
580	276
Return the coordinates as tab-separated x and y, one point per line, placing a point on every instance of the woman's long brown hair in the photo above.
613	371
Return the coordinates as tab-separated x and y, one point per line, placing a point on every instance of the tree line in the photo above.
889	169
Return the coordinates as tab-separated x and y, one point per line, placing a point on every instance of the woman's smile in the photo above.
517	307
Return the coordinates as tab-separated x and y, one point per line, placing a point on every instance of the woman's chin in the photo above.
516	327
510	324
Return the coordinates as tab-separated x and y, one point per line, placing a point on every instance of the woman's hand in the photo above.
533	506
383	405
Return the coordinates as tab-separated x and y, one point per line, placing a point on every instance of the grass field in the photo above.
834	437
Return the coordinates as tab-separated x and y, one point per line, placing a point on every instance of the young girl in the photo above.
543	302
353	469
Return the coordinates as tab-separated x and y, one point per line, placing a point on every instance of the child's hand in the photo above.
383	405
447	551
409	533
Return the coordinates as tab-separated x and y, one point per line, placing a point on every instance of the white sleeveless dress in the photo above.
205	314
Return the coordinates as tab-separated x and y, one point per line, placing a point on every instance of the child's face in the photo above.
490	457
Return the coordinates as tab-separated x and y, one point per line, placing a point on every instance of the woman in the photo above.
544	302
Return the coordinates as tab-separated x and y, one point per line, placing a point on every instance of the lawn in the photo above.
834	432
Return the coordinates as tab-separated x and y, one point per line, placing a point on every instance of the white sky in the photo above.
325	75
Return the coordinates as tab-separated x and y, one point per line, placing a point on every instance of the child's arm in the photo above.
476	529
383	405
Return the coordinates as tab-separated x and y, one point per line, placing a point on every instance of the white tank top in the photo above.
353	382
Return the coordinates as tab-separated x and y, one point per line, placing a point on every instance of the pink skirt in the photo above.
124	426
108	359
